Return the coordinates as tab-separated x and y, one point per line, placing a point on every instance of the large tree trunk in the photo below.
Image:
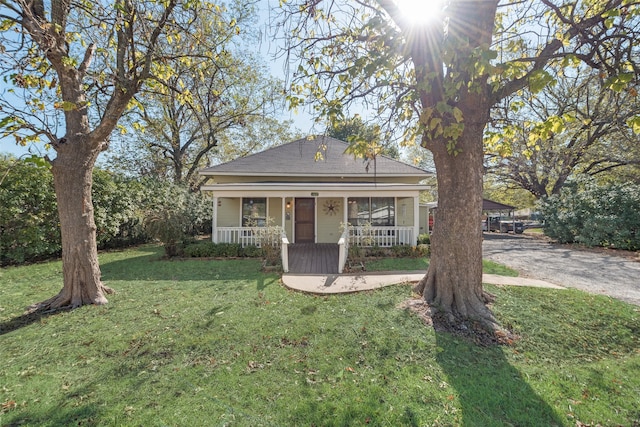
453	283
72	172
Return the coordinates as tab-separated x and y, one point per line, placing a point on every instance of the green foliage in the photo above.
252	251
365	140
424	239
29	215
490	267
269	237
391	258
220	343
28	212
117	211
422	250
594	215
421	262
221	250
175	216
217	114
169	226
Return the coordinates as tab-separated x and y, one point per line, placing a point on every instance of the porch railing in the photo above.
381	236
256	236
249	235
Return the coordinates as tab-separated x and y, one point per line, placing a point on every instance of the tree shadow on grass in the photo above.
491	392
26	320
229	274
84	415
152	267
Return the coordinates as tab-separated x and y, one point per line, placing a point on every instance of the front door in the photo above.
305	220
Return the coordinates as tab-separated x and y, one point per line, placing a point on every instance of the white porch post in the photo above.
284	214
214	221
416	220
345	208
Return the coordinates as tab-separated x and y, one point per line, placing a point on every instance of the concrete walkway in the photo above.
345	283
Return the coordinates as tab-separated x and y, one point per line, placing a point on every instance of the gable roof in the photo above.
298	158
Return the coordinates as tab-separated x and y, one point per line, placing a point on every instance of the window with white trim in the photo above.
377	211
254	211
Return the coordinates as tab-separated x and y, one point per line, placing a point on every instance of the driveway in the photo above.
606	272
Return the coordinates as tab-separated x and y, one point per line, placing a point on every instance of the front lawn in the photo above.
218	343
421	264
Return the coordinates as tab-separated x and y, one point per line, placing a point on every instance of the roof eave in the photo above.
338	175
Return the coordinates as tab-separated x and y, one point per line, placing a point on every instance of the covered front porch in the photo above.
357	235
371	214
359	214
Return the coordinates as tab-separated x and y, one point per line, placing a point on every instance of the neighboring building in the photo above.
311	188
492	215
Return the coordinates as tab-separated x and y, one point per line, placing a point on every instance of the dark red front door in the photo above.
305	220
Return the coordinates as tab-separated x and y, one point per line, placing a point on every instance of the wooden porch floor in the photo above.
313	258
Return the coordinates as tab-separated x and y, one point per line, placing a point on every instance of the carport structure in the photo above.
489	207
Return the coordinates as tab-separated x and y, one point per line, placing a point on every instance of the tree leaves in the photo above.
634	124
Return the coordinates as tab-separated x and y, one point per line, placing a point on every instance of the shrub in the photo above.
355	252
117	202
269	237
198	250
252	251
422	250
221	250
424	239
594	215
173	215
168	226
402	251
377	252
29	228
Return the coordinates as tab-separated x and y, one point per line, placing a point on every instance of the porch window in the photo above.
254	211
377	211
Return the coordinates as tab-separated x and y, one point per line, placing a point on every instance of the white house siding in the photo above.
228	212
328	225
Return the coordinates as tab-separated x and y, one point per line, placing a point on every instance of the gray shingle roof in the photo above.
298	158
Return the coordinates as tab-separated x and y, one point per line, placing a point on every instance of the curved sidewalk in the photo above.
345	283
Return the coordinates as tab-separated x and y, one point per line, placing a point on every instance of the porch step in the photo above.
313	258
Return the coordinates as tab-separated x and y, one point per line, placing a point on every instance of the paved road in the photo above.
595	272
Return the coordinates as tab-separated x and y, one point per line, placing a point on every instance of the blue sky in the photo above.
302	120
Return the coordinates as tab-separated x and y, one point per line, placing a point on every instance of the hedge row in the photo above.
29	227
594	215
221	250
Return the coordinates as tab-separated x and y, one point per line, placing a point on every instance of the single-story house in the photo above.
311	189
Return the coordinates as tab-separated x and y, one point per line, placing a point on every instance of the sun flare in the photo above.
420	11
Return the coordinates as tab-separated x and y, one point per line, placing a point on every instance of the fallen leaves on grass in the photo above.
469	330
7	406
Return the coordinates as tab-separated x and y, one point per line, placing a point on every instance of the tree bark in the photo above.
453	283
72	173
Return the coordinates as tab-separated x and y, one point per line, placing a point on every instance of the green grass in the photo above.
534	231
219	343
411	264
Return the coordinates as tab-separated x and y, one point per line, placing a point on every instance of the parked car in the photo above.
505	225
